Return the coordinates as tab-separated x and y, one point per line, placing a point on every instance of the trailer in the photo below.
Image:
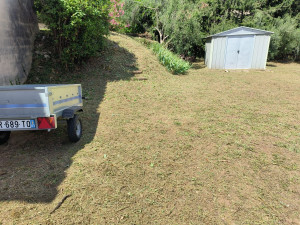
40	107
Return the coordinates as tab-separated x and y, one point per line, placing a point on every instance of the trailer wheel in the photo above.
74	129
4	136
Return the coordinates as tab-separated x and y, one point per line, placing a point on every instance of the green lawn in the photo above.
208	147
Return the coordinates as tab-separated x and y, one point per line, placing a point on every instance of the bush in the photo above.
182	26
171	61
78	27
285	42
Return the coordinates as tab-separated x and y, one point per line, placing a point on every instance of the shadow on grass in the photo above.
198	64
271	65
34	164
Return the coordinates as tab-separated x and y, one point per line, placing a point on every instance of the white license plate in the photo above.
17	124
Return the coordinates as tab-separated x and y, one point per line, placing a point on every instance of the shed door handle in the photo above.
238	51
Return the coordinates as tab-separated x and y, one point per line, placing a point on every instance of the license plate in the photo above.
17	124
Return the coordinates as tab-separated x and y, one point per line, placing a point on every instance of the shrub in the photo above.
182	27
285	42
171	61
115	14
78	27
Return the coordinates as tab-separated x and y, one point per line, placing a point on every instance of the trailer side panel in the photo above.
26	103
64	97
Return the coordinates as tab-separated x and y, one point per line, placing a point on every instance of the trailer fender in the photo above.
70	112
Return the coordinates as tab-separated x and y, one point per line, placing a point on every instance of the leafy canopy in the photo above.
182	25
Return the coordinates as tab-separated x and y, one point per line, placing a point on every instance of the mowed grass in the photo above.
208	147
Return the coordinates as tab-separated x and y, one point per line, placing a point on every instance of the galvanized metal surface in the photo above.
32	101
207	51
260	51
242	31
250	51
218	52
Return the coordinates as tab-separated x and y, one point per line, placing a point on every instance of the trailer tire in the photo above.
74	128
4	136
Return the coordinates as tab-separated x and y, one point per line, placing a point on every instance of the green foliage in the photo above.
139	18
182	30
77	26
286	39
285	42
182	25
171	61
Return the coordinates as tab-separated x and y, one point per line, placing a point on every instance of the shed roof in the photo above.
241	31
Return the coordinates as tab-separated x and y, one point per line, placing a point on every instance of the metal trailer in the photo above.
38	107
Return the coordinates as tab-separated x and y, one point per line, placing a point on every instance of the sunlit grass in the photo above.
210	147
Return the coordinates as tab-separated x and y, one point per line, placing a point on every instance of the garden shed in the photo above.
238	48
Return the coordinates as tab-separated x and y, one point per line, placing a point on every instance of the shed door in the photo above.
239	52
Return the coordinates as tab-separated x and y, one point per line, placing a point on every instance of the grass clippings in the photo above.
211	147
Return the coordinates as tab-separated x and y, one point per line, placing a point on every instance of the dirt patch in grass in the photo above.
210	147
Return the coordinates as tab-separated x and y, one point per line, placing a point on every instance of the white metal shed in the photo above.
238	48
